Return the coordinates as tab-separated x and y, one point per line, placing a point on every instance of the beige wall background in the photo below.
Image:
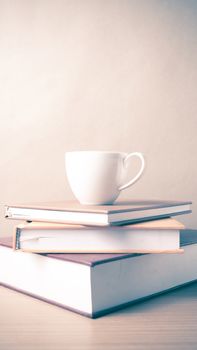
102	75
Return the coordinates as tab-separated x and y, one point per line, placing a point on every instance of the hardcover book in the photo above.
104	215
96	284
147	237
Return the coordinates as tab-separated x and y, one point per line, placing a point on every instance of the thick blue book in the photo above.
96	284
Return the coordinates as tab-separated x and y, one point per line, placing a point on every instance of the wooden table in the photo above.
164	322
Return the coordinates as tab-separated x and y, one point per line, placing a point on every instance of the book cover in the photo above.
121	212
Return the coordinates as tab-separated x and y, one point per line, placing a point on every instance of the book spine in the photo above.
17	240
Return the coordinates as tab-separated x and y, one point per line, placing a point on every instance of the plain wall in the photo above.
97	75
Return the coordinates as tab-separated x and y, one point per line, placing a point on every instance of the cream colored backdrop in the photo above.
103	75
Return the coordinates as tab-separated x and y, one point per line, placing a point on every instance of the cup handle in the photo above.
131	182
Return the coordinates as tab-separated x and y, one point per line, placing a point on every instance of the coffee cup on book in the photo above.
96	177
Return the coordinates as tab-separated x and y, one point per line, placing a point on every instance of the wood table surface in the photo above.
168	321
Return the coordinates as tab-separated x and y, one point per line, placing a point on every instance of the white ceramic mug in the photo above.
96	177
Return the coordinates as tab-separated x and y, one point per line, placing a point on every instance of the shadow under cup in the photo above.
96	177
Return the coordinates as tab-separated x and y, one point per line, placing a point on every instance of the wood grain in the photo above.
165	322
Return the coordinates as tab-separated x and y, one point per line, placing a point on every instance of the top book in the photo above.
120	213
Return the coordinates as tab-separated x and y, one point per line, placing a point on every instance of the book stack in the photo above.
95	259
124	227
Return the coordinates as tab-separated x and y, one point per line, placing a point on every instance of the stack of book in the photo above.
95	259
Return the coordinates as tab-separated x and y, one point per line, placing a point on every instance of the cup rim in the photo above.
96	152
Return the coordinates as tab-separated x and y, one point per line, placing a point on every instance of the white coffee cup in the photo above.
96	177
